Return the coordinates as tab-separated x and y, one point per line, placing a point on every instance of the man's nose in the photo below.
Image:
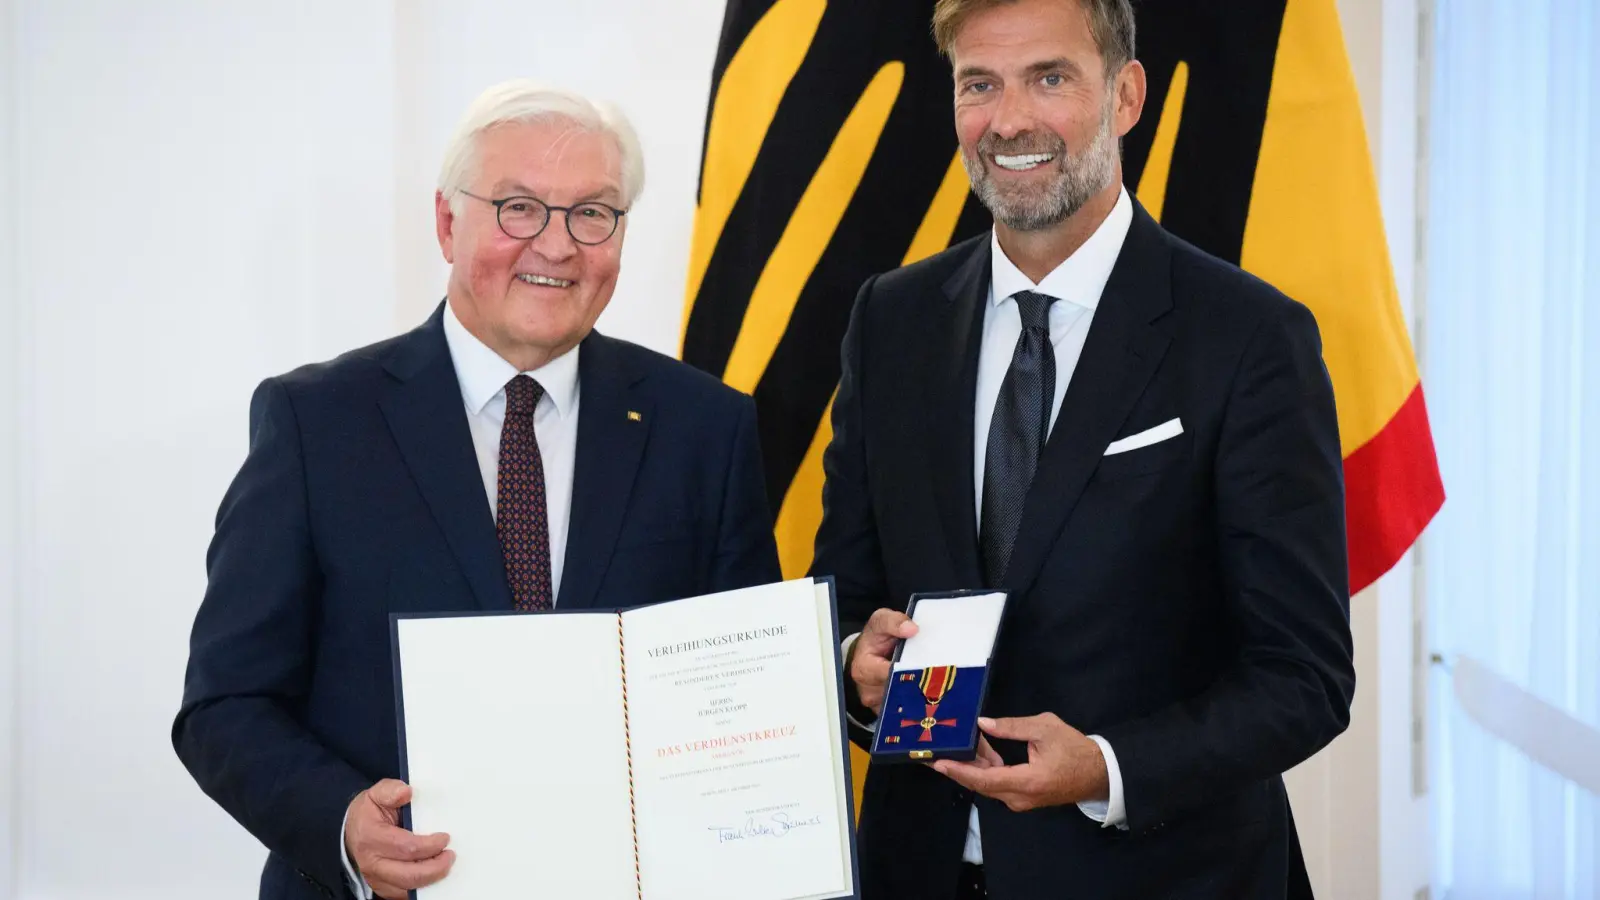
555	242
1013	114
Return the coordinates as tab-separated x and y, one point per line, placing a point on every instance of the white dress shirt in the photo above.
1077	285
483	374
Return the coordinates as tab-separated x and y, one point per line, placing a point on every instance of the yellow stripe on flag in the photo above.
1315	230
801	514
944	213
1152	190
752	86
810	229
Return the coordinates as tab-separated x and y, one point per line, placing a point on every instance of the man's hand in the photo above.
390	858
1063	765
872	652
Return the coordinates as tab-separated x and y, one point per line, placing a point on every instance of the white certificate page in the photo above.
516	747
738	761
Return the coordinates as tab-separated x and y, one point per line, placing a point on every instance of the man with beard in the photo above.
1138	442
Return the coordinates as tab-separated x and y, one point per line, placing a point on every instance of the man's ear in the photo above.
444	220
1130	89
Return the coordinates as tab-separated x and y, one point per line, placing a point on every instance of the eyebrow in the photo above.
518	189
1060	62
1048	65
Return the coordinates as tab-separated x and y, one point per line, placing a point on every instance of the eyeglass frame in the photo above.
550	211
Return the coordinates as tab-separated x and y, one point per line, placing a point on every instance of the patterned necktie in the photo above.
519	500
1017	434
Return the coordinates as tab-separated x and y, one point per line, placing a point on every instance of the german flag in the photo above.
1253	148
830	154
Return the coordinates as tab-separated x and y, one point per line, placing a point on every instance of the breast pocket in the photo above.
680	527
655	564
1144	460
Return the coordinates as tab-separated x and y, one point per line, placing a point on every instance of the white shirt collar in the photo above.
483	373
1081	278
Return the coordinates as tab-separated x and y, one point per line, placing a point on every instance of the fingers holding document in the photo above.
391	859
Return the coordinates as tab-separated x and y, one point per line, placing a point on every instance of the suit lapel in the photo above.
428	419
956	333
1121	352
611	440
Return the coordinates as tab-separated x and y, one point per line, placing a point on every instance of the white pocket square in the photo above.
1165	431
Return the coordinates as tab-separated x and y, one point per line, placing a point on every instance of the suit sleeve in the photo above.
1280	505
251	655
847	540
747	553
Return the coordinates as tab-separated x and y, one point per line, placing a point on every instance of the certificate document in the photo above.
692	749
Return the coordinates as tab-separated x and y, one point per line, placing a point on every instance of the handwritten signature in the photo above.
777	825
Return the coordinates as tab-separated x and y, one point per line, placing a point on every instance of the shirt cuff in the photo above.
845	646
358	885
1110	813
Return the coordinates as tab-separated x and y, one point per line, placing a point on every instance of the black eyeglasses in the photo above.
524	218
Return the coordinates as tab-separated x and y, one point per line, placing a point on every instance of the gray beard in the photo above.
1081	177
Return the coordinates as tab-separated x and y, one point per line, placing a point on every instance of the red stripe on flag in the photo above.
1392	490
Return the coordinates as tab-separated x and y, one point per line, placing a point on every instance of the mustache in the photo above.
1020	145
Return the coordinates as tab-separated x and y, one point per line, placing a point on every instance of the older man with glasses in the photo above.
503	455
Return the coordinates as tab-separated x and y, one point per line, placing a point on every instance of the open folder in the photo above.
686	749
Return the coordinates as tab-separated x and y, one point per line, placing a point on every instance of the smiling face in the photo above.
1037	118
532	300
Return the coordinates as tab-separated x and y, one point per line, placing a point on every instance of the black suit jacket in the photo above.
1187	600
361	496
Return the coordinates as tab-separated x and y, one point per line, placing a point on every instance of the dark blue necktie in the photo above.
1017	434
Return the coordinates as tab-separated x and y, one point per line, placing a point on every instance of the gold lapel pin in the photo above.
633	416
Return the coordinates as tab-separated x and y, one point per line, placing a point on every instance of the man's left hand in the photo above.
1063	765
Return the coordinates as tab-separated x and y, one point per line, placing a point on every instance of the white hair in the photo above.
522	100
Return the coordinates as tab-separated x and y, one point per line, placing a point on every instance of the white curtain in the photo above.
1511	360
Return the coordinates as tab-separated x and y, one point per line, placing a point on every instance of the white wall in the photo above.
206	201
10	443
206	194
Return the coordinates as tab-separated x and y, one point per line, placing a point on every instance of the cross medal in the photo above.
934	683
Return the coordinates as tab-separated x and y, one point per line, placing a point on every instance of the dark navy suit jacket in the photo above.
361	496
1187	600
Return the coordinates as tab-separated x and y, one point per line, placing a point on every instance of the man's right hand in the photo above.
872	652
390	858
